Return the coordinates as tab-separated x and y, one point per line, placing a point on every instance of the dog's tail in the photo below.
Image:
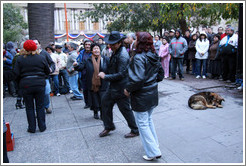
198	106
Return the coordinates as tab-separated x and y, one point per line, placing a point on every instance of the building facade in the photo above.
75	24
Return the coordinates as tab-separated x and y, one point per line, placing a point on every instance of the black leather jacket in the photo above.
117	73
144	72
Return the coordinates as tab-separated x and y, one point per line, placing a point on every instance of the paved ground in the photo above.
185	135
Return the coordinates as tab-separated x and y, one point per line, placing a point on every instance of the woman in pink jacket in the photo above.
165	56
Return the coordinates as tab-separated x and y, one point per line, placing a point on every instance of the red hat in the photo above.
30	45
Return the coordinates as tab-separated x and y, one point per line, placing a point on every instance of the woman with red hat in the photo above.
30	70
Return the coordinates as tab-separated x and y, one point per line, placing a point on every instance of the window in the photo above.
81	25
96	26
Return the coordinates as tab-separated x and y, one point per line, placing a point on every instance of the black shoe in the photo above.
76	98
96	116
72	97
30	131
105	132
86	106
42	130
19	106
130	135
14	94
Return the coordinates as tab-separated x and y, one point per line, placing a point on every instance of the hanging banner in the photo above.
71	36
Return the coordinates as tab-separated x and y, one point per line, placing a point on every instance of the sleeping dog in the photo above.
204	100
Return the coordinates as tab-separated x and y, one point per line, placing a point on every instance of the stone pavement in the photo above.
185	135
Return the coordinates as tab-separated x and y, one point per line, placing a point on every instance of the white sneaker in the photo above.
58	94
70	91
198	77
145	157
204	77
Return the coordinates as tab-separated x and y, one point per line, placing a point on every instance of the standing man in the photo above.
228	52
52	69
177	48
73	74
83	56
157	44
171	34
187	38
220	32
131	38
117	76
102	45
63	75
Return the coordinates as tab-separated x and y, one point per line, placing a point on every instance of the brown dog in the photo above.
203	100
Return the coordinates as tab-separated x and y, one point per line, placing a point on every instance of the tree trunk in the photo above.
41	22
160	29
182	21
240	42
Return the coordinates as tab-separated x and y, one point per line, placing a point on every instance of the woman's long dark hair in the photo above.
144	42
201	38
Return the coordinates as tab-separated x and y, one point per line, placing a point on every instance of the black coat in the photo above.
144	73
31	70
192	49
88	65
117	73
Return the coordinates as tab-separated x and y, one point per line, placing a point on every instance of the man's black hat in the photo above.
113	37
58	46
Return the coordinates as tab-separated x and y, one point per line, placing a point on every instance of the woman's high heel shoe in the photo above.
19	106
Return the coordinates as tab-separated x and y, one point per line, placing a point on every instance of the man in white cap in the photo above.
171	34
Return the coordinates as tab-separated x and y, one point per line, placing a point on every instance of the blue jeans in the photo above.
63	75
177	62
202	68
194	67
56	83
73	82
147	133
47	94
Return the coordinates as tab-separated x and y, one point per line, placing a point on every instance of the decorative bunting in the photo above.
80	34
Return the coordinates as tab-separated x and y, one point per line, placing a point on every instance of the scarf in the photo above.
96	81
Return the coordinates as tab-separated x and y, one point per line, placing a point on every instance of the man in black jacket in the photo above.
117	76
52	69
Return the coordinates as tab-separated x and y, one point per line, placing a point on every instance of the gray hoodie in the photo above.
177	47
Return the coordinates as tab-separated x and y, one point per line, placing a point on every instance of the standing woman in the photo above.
214	59
144	72
192	52
165	56
54	75
30	71
202	46
97	86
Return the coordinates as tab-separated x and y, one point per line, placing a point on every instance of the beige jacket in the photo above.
57	62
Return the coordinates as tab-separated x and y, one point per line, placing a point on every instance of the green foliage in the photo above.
13	23
158	16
